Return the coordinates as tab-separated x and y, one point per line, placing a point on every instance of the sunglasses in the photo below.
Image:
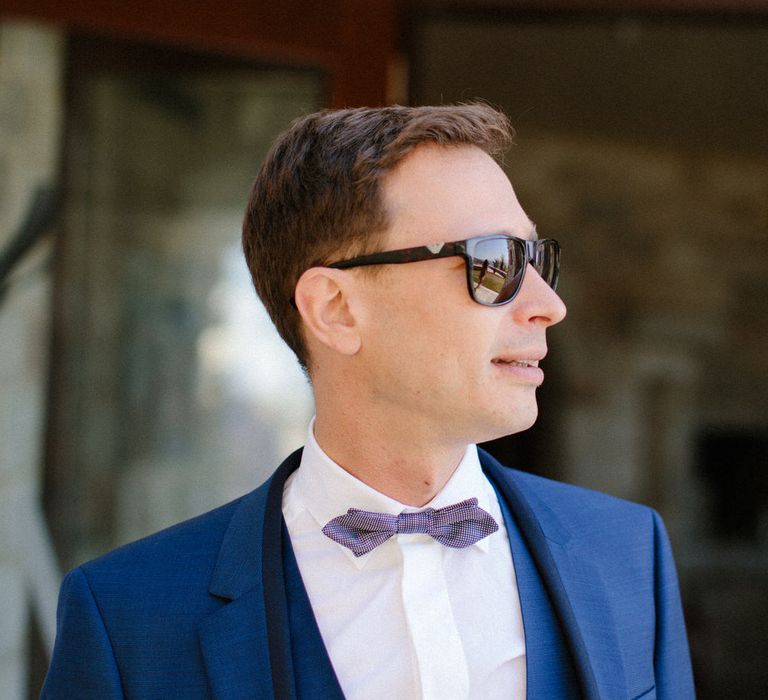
495	264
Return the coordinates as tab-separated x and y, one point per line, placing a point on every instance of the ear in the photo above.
323	298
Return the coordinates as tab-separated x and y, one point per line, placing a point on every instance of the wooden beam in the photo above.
351	40
364	54
608	7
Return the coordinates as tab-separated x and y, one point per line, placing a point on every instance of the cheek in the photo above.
416	353
431	330
457	352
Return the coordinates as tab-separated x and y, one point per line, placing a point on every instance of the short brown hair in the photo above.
317	195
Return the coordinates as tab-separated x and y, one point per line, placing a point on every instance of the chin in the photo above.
518	420
501	426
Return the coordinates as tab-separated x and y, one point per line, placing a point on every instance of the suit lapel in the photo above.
574	584
246	644
235	649
592	615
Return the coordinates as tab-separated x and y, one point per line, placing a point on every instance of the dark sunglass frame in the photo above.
533	253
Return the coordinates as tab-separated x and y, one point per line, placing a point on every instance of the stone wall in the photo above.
31	59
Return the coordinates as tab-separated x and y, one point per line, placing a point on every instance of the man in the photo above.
392	558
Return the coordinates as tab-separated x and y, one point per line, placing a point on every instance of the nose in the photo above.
537	302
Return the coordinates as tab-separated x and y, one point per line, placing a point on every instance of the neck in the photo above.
396	458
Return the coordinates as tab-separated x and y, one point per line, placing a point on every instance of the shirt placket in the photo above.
442	666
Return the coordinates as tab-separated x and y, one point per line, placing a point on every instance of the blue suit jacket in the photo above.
199	610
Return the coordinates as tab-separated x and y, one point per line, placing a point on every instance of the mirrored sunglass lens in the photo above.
497	268
546	262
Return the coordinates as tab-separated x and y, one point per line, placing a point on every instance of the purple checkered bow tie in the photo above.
458	525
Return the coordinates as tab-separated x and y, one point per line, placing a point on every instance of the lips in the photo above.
522	358
522	366
515	363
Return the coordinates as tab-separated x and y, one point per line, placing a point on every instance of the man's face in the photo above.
434	356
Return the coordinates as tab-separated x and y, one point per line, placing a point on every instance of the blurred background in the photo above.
141	382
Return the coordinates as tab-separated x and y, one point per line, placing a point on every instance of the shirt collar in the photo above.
327	490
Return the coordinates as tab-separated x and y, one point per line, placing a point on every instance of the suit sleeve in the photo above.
83	664
672	661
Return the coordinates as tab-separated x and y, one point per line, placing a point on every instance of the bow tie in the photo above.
458	525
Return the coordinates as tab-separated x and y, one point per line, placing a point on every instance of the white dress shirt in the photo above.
413	618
